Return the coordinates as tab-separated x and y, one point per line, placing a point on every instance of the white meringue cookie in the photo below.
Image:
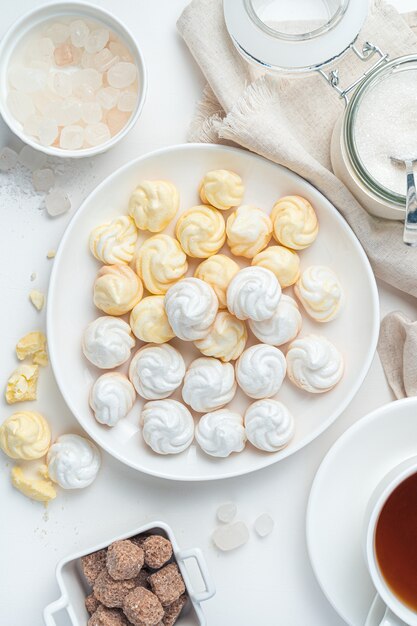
168	426
115	241
254	293
191	306
320	293
314	364
260	371
282	262
208	384
201	231
154	204
220	433
107	342
117	289
269	425
295	222
73	462
156	371
222	189
282	327
218	270
149	321
226	338
111	398
248	230
160	263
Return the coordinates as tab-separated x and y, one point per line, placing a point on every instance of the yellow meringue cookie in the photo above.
226	338
40	488
33	344
160	263
249	230
284	263
117	289
201	231
25	435
218	270
149	321
295	222
115	241
153	204
222	189
22	384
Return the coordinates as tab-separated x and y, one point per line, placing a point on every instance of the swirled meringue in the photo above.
107	342
314	364
168	426
269	425
248	230
218	270
220	433
114	241
25	435
282	262
254	293
117	289
295	222
222	189
154	204
191	306
156	371
208	384
73	462
260	371
149	322
201	231
282	327
160	263
111	397
226	338
320	293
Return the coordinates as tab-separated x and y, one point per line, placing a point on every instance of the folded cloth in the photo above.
397	349
290	120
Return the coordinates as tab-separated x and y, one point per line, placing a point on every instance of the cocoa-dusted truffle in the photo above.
142	608
172	612
91	603
124	560
111	592
158	551
93	564
108	617
167	584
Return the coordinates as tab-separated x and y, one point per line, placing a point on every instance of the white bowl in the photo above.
70	608
70	308
32	19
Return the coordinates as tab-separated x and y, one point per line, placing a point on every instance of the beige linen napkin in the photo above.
397	349
290	120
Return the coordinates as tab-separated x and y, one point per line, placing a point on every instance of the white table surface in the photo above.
267	581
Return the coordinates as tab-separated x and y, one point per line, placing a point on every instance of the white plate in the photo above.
341	489
70	307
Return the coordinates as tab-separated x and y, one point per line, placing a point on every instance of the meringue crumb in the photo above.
33	344
33	276
50	254
37	298
40	489
22	384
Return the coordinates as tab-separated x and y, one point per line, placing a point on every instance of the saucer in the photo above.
341	489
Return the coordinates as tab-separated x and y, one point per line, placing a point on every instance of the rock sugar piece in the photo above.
167	584
107	617
264	525
124	560
57	202
8	159
231	536
172	612
158	551
32	159
111	592
93	564
91	603
43	180
142	608
226	512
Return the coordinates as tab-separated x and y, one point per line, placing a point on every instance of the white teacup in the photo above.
396	612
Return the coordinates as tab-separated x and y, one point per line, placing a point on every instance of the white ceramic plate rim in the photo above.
267	460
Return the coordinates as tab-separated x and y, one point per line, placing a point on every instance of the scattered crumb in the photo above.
33	344
37	298
22	384
51	254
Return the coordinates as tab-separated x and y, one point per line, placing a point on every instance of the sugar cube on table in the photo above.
8	159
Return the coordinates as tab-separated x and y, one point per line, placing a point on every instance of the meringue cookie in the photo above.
191	306
156	371
314	364
220	433
153	204
117	289
208	384
25	435
111	397
282	327
269	425
160	263
73	462
282	262
222	189
168	426
115	241
201	231
149	322
295	222
226	338
248	230
107	342
218	270
254	293
260	371
320	293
